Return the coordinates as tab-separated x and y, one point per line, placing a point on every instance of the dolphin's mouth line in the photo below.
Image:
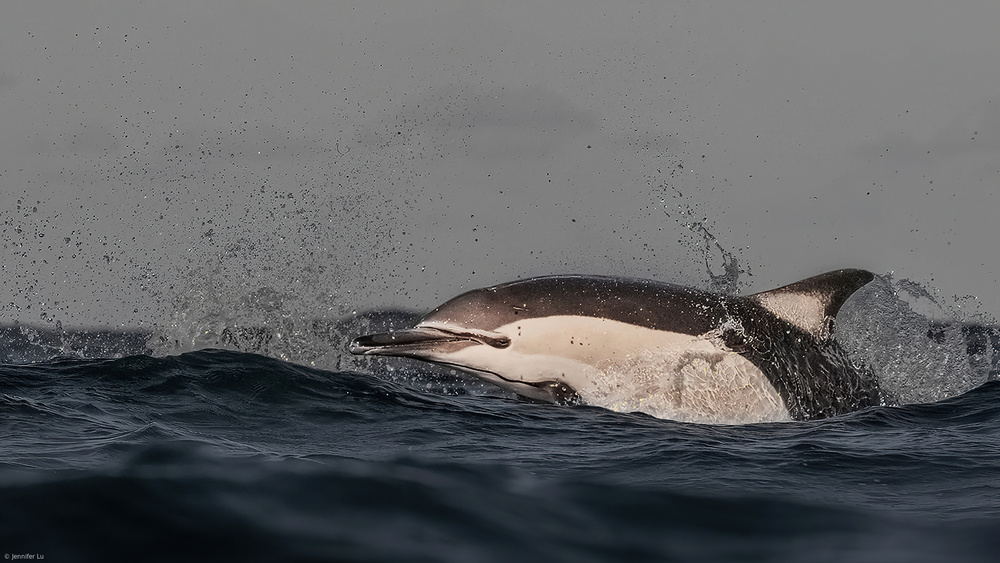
422	337
494	339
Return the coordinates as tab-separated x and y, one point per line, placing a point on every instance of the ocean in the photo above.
119	446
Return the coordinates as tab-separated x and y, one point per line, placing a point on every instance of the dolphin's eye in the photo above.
494	341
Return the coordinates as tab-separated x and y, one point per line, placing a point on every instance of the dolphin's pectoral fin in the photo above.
813	303
561	393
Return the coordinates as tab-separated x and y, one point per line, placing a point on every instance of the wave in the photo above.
218	506
240	456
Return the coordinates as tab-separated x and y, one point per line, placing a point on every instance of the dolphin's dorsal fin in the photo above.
813	303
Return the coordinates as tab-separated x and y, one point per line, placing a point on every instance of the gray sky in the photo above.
174	159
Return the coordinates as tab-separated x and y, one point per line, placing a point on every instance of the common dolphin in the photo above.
640	345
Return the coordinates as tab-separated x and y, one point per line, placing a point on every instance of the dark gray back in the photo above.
651	304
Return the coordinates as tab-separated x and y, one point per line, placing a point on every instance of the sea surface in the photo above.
113	449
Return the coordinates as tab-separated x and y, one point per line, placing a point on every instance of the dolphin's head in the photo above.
478	332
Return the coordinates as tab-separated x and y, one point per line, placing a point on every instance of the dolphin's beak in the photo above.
417	341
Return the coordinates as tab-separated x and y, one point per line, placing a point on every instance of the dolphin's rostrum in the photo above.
641	345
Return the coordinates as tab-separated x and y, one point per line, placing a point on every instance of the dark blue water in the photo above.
220	455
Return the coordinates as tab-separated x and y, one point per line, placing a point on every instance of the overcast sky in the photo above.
168	159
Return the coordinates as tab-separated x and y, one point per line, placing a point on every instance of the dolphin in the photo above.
640	345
